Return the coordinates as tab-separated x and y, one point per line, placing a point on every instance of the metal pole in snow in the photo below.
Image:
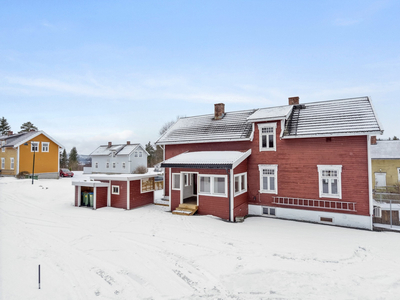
39	277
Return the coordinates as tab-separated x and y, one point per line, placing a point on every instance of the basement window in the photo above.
270	211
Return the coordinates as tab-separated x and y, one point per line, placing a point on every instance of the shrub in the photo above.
23	174
140	170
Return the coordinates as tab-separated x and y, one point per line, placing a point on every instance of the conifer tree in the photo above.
151	151
4	126
28	126
64	160
73	159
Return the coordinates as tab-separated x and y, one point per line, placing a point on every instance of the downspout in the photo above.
371	206
229	172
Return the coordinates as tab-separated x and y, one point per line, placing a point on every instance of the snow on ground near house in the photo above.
148	253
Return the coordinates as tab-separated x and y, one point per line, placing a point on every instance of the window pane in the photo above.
219	185
237	178
205	185
265	183
243	183
270	141
334	186
272	184
325	188
264	141
176	180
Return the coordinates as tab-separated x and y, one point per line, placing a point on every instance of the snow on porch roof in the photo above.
207	160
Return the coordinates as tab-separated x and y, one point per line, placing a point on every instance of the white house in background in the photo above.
117	159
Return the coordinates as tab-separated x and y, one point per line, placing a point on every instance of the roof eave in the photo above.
203	141
332	134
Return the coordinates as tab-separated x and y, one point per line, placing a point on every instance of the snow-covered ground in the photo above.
148	253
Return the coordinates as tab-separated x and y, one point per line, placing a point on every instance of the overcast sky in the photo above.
89	72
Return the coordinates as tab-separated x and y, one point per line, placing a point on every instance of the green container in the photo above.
85	198
90	195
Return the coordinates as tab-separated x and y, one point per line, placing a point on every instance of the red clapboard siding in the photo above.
119	201
101	197
137	199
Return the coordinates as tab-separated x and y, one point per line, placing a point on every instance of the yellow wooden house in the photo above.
385	164
25	151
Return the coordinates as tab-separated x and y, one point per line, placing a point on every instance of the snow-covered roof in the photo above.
200	129
271	113
18	139
123	177
121	149
353	116
386	150
229	159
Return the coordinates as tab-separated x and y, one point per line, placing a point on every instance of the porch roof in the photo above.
207	160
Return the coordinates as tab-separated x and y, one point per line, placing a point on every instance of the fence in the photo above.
387	207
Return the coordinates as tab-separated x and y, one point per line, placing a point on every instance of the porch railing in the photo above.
313	203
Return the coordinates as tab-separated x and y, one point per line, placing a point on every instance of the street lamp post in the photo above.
33	145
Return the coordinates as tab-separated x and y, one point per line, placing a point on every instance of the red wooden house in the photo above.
306	162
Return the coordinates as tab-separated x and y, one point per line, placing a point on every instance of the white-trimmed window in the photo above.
267	136
12	163
96	165
3	163
135	154
140	153
186	179
107	165
176	181
45	146
213	185
268	179
115	189
240	183
3	143
330	181
113	164
34	146
123	165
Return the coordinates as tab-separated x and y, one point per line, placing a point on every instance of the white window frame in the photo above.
12	163
242	177
123	165
212	193
107	165
35	145
3	163
45	146
3	143
115	189
261	168
338	169
135	154
113	165
176	178
96	165
140	154
260	128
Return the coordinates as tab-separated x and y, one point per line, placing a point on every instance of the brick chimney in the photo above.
294	100
10	133
219	111
373	140
109	144
128	142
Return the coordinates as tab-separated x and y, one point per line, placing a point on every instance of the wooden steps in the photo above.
185	209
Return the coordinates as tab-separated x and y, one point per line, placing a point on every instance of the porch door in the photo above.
380	179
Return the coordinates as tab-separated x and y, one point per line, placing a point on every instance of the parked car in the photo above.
66	173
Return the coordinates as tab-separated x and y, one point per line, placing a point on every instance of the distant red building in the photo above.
306	162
